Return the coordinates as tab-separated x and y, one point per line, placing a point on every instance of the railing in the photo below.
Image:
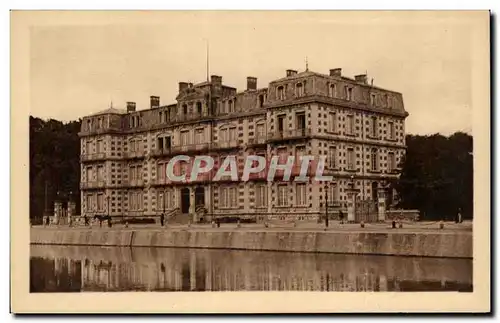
289	134
89	157
133	182
161	152
259	140
225	144
93	184
190	148
190	117
133	154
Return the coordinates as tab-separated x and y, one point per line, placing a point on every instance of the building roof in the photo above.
110	111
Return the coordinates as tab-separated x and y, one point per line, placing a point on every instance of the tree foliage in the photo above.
437	176
54	163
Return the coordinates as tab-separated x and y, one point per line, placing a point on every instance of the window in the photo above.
183	167
282	195
184	109
198	136
100	146
99	123
89	202
90	174
100	202
135	201
280	93
348	93
230	106
332	90
391	130
198	108
281	123
135	145
261	100
88	148
332	157
374	159
373	130
185	138
391	162
89	125
232	134
301	196
261	195
228	197
372	98
223	135
165	200
332	119
260	131
350	125
135	172
333	193
100	173
299	90
389	101
350	159
299	152
160	171
283	155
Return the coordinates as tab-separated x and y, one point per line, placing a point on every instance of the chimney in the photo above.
290	73
361	78
182	86
251	83
130	106
155	101
336	72
216	80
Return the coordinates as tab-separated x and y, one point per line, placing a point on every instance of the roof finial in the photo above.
307	65
111	104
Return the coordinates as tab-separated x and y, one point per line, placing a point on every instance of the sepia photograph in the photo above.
250	161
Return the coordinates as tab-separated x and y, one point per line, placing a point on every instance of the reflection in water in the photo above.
73	269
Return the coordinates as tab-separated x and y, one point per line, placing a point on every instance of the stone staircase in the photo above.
176	217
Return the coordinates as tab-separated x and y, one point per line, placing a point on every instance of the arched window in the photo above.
374	159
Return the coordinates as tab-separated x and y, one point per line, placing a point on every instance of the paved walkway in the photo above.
416	227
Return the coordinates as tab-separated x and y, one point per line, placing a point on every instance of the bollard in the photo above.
126	224
441	224
266	224
362	224
213	224
238	225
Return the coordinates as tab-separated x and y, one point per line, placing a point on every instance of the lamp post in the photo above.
326	205
109	218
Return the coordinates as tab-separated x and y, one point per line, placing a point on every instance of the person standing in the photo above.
162	219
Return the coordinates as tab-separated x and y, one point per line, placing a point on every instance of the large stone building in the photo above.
358	126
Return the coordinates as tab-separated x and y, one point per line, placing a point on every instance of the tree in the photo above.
437	176
54	162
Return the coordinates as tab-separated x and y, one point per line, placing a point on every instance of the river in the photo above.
113	269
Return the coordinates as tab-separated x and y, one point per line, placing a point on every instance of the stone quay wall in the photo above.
424	244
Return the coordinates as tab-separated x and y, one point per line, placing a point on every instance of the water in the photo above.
92	269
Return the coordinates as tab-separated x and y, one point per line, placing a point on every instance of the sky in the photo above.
79	68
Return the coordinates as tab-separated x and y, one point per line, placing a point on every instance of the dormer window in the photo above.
198	107
299	90
372	99
348	93
261	100
231	106
184	109
332	90
280	93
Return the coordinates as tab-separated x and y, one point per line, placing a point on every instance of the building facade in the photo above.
360	128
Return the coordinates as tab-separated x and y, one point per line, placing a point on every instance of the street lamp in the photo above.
326	205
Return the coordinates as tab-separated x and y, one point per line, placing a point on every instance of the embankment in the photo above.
425	244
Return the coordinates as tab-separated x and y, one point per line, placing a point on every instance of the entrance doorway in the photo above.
185	202
375	192
199	196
